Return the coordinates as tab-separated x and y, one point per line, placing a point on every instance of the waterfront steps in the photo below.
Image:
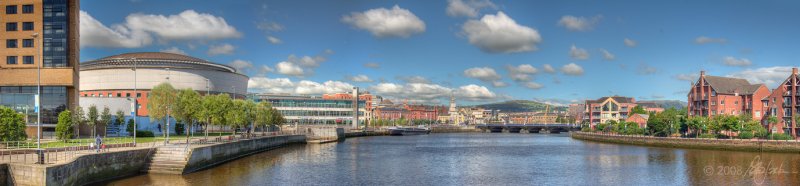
170	159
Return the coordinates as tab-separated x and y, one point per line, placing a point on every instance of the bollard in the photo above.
40	156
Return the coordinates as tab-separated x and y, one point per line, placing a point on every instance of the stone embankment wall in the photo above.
82	170
454	129
695	143
212	155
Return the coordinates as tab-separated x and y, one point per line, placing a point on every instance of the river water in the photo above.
489	159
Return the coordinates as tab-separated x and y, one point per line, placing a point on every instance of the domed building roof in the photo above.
153	60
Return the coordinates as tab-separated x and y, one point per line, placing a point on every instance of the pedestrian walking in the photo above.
97	142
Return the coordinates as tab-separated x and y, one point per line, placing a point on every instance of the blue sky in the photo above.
479	50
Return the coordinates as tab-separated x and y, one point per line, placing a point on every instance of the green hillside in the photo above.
519	106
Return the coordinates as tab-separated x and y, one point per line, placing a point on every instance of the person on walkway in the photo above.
97	142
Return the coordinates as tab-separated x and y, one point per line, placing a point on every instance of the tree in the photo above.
638	110
64	125
277	117
772	120
236	115
78	118
129	127
250	109
665	123
161	103
12	125
187	108
215	108
119	120
92	116
105	118
263	114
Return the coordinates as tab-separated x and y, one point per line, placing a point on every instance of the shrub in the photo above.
12	125
723	136
777	136
746	135
144	133
129	127
709	136
64	126
586	129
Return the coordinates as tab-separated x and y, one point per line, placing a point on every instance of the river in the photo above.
489	159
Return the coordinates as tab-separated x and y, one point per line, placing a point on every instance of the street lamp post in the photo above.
135	100
38	94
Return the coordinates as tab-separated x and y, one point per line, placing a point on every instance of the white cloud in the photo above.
291	69
226	49
732	61
139	30
372	65
485	74
382	22
501	34
274	40
533	85
573	23
607	55
578	53
705	40
185	26
474	92
572	69
471	8
555	101
308	61
630	42
304	87
241	66
359	78
264	70
174	50
268	26
95	34
548	68
771	76
522	72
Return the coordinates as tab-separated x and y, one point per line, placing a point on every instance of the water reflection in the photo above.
489	159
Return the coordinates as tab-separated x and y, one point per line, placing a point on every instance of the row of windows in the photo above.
12	9
12	26
21	99
12	43
12	60
313	103
138	95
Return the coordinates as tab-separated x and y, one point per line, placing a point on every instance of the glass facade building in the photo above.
56	31
306	110
21	99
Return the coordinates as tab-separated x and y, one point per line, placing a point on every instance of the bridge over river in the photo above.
531	128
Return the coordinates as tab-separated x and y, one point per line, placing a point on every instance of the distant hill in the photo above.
677	104
519	106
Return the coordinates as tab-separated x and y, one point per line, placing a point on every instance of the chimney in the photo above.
702	73
794	70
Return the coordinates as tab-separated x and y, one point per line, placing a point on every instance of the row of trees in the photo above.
67	120
188	107
674	122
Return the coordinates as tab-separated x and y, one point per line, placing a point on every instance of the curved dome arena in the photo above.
115	74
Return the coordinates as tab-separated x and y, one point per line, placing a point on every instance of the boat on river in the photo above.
407	131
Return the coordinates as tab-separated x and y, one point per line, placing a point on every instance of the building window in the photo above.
27	43
11	9
27	9
28	60
127	94
736	103
11	26
27	25
722	102
119	95
11	43
11	60
138	95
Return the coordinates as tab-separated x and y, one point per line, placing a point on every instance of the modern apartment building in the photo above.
784	103
41	48
605	109
714	95
309	110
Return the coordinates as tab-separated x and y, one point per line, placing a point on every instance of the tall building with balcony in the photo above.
614	108
714	95
41	48
784	103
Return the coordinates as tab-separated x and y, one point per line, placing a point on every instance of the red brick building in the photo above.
349	96
784	103
640	119
713	95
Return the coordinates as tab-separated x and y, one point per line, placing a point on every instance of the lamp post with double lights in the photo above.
135	110
37	98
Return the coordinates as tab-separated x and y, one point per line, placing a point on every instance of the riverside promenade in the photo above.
754	145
